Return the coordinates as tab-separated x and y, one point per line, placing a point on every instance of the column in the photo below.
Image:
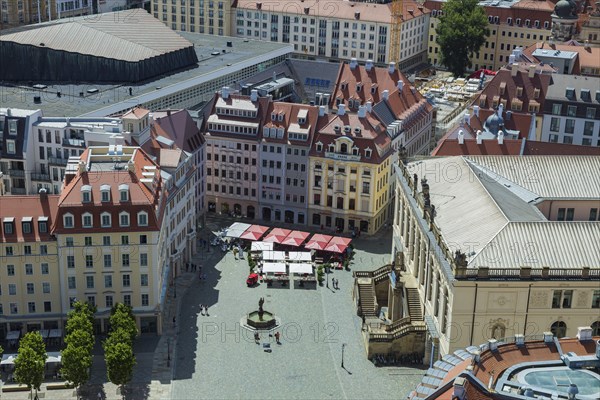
417	254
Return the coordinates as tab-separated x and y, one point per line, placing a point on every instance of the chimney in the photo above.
586	44
514	69
8	112
357	15
511	59
369	65
168	112
341	109
400	84
584	333
392	67
225	92
459	391
130	166
500	110
362	111
369	106
500	137
254	95
548	337
479	137
461	137
467	119
519	339
43	194
81	167
386	94
531	71
321	111
493	345
508	115
353	63
476	111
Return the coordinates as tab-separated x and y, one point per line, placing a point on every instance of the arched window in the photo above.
124	218
559	329
596	328
344	148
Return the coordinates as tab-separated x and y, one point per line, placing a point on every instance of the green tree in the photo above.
81	318
120	361
461	32
30	362
122	318
76	361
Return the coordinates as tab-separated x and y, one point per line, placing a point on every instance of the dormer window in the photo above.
527	22
86	220
105	193
8	223
26	225
86	193
273	117
319	147
331	147
536	93
105	220
266	131
142	218
368	153
502	88
359	87
518	21
536	23
373	89
280	117
124	192
43	224
124	219
339	101
68	220
519	91
355	151
509	21
301	121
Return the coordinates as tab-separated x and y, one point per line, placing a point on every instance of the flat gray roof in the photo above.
71	104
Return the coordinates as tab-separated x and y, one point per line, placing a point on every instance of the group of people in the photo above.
204	310
189	267
237	249
277	335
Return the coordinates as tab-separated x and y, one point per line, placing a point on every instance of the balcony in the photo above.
16	173
73	142
341	157
15	190
40	177
57	161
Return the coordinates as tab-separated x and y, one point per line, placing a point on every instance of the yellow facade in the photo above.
106	268
351	194
209	17
30	296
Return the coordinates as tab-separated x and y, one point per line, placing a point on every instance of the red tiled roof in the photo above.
179	127
136	113
290	112
587	57
450	147
19	207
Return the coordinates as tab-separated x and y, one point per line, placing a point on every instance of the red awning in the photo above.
318	242
277	235
255	232
336	248
296	238
340	240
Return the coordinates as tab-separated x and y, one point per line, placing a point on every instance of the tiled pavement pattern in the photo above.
217	359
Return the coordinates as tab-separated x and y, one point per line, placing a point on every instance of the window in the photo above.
10	270
127	299
31	306
47	306
70	261
26	227
106	240
71	282
91	300
89	261
14	309
42	226
28	269
89	281
68	220
107	281
125	260
571	111
366	187
45	269
556	109
588	128
142	219
126	281
9	250
562	299
124	193
590	113
43	249
30	288
145	300
143	260
86	193
144	280
88	240
46	287
108	301
570	214
570	126
105	220
105	193
69	242
124	240
107	260
559	329
12	289
593	214
124	219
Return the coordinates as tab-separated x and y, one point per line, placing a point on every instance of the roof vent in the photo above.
321	111
461	137
514	69
476	111
341	109
347	129
225	92
369	106
493	345
459	391
357	15
254	95
357	130
500	137
386	94
353	63
337	128
467	119
519	339
584	333
572	391
478	137
400	84
392	67
362	111
369	65
548	337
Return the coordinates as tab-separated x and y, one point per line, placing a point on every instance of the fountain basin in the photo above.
268	320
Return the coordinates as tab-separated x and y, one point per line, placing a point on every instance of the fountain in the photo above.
261	319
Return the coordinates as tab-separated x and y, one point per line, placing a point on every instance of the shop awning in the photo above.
273	255
255	232
336	248
277	235
236	229
340	240
296	238
318	242
55	333
53	357
13	335
301	268
299	256
275	268
261	246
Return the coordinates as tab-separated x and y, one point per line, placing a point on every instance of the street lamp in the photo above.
343	345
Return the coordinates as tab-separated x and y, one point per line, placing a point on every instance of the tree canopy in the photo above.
31	361
76	361
122	319
77	356
461	32
120	361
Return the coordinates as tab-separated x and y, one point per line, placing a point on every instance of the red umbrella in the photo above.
340	240
336	248
318	242
296	238
277	235
255	232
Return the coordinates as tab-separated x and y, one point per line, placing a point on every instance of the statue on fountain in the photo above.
261	301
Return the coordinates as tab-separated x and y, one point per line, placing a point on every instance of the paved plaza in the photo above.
216	358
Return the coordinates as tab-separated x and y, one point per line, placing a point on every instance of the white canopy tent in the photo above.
273	255
53	357
261	246
301	268
236	229
8	359
277	268
299	256
13	335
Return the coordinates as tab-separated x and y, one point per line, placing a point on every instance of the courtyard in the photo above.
217	358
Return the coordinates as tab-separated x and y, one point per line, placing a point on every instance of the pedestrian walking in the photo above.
206	311
364	322
256	338
202	309
235	252
99	395
173	322
277	337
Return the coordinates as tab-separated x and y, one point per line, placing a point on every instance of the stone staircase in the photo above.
366	295
414	304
